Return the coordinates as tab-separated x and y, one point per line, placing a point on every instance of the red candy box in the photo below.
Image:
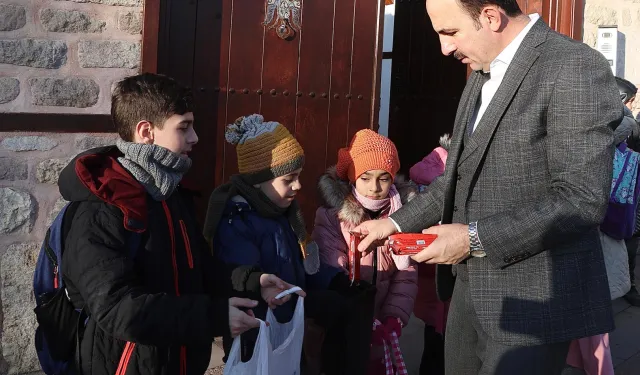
410	243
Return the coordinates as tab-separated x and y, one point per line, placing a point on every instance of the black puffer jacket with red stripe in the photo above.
159	312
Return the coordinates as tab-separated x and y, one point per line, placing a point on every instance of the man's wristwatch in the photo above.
475	246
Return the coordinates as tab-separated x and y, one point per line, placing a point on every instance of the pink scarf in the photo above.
385	206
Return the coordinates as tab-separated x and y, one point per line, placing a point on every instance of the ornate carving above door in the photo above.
285	16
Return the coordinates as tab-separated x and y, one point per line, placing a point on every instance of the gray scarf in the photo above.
156	168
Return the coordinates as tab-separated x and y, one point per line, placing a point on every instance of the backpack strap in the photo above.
67	220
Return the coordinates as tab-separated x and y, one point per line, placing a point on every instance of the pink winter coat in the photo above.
429	168
396	281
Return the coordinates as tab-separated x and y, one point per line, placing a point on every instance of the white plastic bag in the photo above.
259	362
286	341
278	347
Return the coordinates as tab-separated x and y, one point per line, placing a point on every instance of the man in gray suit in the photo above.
526	185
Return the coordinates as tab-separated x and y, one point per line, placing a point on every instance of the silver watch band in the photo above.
475	246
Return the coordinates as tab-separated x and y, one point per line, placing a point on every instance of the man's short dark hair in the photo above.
150	97
474	7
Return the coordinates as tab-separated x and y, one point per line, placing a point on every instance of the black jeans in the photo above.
432	362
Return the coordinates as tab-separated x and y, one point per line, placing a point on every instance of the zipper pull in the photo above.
55	277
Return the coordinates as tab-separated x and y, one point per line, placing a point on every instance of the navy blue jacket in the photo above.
245	237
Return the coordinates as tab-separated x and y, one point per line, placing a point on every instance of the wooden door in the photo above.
563	16
321	83
425	85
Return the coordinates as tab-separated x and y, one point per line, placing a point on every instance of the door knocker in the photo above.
287	21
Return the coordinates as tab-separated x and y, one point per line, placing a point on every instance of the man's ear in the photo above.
491	15
144	132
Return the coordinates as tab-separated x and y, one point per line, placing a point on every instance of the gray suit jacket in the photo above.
536	176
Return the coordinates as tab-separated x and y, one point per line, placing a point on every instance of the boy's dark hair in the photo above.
474	7
150	97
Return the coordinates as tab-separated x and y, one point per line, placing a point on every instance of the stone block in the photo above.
19	321
70	21
48	171
64	92
109	54
29	143
130	22
9	89
16	209
626	17
13	169
86	142
126	3
590	39
50	54
600	15
12	17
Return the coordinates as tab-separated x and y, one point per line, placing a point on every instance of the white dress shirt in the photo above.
497	69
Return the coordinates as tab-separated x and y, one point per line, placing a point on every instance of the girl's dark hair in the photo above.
150	97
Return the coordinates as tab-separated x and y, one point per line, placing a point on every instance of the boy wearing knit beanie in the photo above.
255	219
364	185
134	258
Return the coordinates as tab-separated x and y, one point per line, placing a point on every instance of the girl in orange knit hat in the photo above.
364	186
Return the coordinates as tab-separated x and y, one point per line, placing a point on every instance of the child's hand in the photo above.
271	286
239	321
379	335
393	324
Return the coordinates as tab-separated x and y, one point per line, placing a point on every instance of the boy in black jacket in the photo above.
158	312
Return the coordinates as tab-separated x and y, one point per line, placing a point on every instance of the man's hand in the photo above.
239	321
271	286
375	230
451	246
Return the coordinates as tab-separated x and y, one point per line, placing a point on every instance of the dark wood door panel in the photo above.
207	71
245	70
177	45
314	83
425	85
341	68
280	78
362	70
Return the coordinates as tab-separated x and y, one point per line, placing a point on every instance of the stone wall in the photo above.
29	200
63	56
626	15
56	56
